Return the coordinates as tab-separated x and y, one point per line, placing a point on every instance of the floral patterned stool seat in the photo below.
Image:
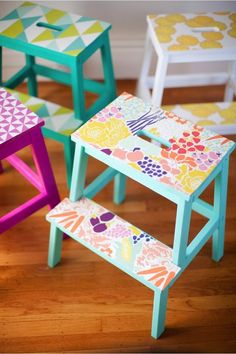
180	38
218	116
187	159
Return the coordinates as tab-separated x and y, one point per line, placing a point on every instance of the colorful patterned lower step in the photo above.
219	117
57	118
117	241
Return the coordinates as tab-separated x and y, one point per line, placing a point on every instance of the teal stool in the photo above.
66	39
186	160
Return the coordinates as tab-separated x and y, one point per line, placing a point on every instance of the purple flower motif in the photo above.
106	151
206	159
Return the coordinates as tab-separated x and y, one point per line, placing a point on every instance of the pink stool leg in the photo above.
44	169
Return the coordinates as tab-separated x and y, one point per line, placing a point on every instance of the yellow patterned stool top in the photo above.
218	116
56	30
186	32
187	156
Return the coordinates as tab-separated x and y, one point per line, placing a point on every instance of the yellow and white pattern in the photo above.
184	32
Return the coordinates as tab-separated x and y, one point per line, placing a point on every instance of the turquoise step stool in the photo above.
186	160
65	39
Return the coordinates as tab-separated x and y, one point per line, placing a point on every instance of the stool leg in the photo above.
231	85
159	312
220	198
77	83
55	246
44	169
32	82
142	87
108	69
69	151
159	80
1	168
78	174
119	188
182	225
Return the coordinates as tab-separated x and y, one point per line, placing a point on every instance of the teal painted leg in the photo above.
32	82
159	312
55	246
119	188
182	225
108	69
220	198
77	83
69	150
78	174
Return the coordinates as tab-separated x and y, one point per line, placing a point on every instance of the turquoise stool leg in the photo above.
182	225
108	69
119	188
78	90
78	174
159	312
32	82
69	151
220	198
55	246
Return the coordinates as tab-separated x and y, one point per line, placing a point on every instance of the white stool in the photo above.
186	38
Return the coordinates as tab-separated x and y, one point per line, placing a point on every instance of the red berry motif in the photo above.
188	143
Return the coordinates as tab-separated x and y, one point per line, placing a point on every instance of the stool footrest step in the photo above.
117	241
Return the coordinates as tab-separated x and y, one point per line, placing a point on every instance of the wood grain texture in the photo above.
88	305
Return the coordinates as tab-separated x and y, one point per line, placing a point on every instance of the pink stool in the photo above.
19	127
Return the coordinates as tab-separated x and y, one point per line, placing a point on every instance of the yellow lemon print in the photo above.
202	111
219	25
233	17
232	33
187	40
165	30
206	122
126	250
204	20
229	113
175	18
177	47
213	36
210	44
164	38
163	21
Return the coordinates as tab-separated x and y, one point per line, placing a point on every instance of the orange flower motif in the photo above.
175	117
179	158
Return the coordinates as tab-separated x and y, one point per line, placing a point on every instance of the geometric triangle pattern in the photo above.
15	117
55	30
56	117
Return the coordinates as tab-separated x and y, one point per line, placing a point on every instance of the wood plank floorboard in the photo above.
87	305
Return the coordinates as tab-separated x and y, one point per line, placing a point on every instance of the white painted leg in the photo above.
142	90
230	89
159	80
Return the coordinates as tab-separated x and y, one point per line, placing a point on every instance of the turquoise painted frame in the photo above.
183	253
106	91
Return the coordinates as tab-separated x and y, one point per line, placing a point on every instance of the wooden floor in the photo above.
86	304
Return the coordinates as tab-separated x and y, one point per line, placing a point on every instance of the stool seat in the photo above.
58	119
187	155
117	241
51	29
186	32
15	118
218	116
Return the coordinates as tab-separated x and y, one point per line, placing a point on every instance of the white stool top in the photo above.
194	32
15	118
188	154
